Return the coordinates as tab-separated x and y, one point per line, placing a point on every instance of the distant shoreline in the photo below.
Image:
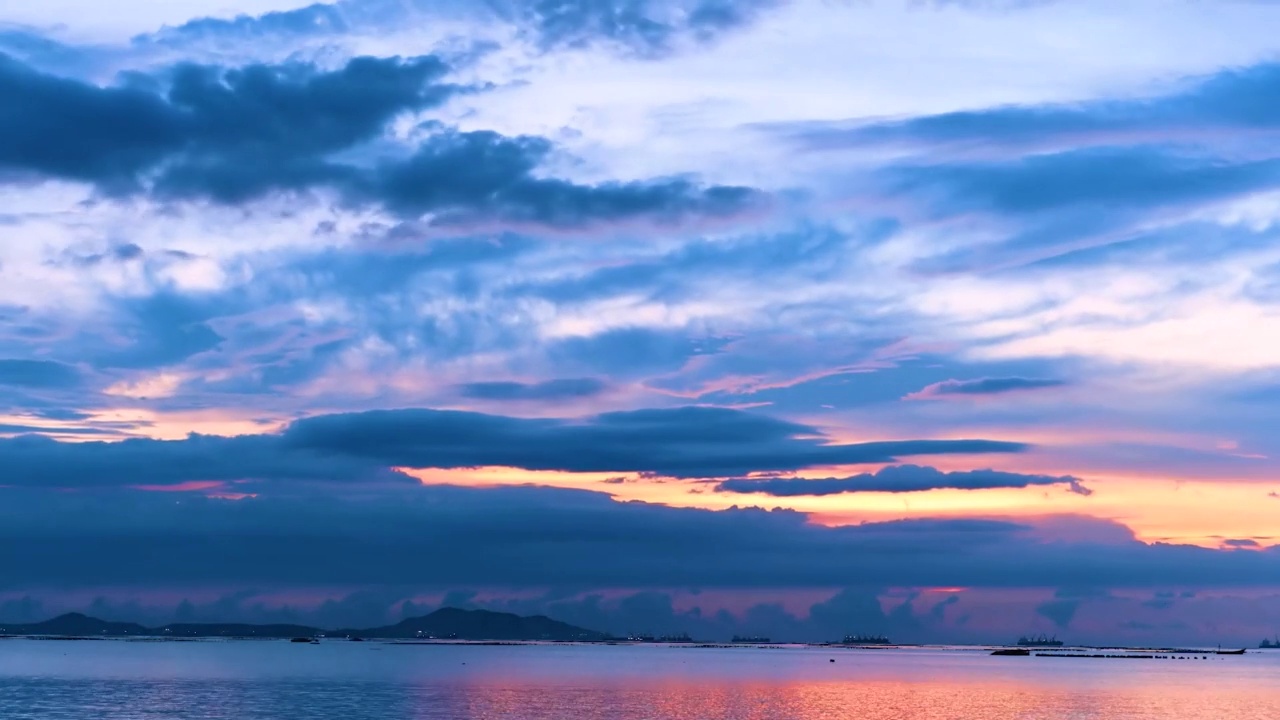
1085	651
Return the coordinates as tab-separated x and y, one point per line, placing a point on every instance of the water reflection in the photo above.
867	701
247	681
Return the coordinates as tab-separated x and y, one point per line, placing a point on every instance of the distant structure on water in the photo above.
644	638
1039	641
866	640
750	639
1270	644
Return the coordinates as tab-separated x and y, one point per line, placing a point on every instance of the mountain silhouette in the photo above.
445	624
453	623
75	625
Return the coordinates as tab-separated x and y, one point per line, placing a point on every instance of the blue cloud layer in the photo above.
233	224
897	479
240	134
542	538
643	28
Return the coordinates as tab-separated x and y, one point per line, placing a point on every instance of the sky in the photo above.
954	320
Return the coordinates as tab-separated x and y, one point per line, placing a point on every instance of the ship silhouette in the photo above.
866	640
1039	641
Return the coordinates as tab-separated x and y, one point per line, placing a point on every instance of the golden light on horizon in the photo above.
1203	513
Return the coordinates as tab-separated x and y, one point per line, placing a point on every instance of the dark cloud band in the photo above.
898	479
363	447
235	135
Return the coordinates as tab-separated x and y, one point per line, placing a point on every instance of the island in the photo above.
443	624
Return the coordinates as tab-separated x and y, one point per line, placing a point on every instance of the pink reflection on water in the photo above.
925	699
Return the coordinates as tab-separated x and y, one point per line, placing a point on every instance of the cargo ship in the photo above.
1039	641
866	640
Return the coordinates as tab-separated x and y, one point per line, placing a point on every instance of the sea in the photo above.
341	680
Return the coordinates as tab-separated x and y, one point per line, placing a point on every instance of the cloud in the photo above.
309	21
362	447
530	537
470	177
13	429
1060	612
982	386
1113	179
647	27
897	479
235	135
631	351
38	374
219	133
35	461
1161	600
640	28
1090	178
547	390
1204	108
685	442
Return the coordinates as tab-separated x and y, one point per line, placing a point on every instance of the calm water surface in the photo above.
61	680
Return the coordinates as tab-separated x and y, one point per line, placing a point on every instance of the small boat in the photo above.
1229	652
301	640
1013	652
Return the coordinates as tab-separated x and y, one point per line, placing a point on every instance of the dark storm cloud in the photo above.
35	461
473	176
69	129
560	389
234	135
985	386
262	127
531	537
38	374
897	479
689	442
684	442
223	133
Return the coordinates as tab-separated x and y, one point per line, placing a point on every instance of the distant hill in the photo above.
445	623
455	624
76	625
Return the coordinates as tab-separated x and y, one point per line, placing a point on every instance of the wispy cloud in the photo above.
897	479
982	386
